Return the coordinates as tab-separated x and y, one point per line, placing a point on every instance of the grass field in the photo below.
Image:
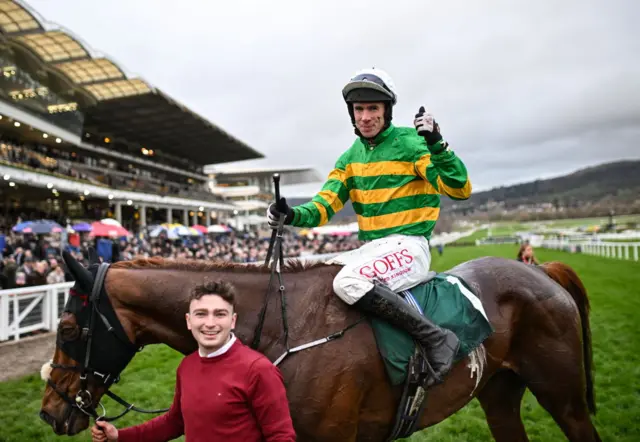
613	289
507	227
496	230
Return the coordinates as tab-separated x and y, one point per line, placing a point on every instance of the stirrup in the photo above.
432	377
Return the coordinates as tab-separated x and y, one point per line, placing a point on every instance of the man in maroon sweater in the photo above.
224	392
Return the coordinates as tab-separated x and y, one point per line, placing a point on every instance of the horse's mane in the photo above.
192	265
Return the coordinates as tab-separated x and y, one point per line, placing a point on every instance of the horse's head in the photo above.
91	351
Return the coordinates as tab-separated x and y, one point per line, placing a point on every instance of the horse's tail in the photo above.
567	278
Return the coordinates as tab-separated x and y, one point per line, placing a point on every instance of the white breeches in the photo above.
398	261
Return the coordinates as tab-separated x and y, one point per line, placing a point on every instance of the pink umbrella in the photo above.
199	228
109	230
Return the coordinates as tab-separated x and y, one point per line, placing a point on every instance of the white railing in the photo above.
16	318
610	249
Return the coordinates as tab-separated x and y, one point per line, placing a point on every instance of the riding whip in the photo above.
274	232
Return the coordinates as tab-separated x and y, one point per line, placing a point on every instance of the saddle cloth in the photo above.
448	302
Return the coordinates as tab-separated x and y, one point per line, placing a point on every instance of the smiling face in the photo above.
369	118
210	320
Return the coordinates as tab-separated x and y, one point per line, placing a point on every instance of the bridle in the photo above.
83	400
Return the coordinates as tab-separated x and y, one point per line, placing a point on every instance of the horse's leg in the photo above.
566	404
553	371
500	399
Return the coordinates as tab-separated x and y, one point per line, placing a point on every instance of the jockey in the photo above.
394	177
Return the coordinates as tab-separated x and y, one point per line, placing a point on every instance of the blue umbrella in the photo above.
82	227
42	227
18	227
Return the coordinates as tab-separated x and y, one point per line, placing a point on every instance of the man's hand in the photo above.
104	431
429	129
274	211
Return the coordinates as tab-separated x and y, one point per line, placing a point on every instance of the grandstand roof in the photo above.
288	175
127	109
254	171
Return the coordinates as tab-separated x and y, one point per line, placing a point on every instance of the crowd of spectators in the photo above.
66	164
29	260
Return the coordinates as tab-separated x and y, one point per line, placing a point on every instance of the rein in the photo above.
275	246
83	400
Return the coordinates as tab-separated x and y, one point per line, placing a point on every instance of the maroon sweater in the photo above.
238	396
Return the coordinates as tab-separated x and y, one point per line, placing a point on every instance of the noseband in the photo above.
83	400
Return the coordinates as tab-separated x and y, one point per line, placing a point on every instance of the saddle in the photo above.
449	302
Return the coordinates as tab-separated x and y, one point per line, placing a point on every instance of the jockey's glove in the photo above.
429	129
276	210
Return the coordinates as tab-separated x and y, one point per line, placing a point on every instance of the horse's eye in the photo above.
69	332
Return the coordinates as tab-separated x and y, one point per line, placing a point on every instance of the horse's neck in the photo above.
157	310
311	311
152	314
251	292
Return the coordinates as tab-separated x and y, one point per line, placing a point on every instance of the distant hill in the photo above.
591	191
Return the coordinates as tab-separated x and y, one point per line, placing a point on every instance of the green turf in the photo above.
478	234
612	286
613	291
497	229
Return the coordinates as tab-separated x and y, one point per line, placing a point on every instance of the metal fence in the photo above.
28	309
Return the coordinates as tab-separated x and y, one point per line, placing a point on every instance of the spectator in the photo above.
8	275
20	280
526	255
39	274
254	400
56	275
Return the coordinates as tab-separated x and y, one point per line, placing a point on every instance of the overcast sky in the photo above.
521	91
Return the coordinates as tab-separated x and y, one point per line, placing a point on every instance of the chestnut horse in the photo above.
339	391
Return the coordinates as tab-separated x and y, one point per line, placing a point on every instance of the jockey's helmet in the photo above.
370	86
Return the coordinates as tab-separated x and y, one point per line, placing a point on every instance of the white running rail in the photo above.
607	249
28	309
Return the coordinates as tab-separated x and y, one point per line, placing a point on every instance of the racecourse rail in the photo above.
607	249
30	309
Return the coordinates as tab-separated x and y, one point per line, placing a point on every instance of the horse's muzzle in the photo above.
72	426
57	427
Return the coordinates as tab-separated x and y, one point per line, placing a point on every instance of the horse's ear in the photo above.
93	256
81	275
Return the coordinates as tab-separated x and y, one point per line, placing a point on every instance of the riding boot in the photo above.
440	345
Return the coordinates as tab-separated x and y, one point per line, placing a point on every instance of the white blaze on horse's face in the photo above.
369	118
210	320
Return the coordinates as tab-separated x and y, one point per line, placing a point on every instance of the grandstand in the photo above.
81	139
251	189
